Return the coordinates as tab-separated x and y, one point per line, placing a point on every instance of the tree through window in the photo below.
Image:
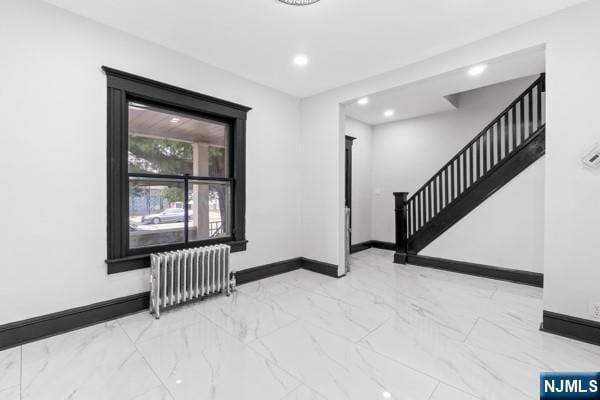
178	177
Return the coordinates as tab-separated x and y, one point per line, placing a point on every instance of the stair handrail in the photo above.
488	151
538	81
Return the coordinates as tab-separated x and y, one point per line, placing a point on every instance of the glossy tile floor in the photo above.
383	332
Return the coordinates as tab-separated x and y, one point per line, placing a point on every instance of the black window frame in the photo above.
124	87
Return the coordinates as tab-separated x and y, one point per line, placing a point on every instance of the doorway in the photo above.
348	195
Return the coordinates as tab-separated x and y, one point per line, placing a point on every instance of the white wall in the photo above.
322	182
53	167
407	153
53	98
507	230
361	180
571	194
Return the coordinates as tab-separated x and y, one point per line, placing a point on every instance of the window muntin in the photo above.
164	145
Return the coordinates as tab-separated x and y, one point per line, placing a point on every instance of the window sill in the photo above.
143	260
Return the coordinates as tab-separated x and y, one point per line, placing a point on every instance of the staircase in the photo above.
502	150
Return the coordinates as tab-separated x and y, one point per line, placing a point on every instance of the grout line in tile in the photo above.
340	300
471	330
276	364
162	383
137	350
331	331
270	302
223	331
158	335
434	390
435	378
294	319
6	389
374	329
299	386
137	396
300	380
300	383
316	292
125	331
361	346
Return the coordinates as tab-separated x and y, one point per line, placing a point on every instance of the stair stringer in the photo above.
486	186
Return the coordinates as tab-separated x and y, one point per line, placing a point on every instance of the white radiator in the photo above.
184	275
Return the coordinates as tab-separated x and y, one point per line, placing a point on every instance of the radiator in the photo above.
184	275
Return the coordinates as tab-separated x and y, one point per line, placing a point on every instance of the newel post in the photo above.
401	227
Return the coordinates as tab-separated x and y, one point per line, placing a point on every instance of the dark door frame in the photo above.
348	178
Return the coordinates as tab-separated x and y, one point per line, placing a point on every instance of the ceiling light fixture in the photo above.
300	60
363	101
174	120
477	69
388	113
299	2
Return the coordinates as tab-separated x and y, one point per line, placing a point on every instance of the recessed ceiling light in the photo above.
477	69
387	395
388	113
363	101
300	60
174	120
299	2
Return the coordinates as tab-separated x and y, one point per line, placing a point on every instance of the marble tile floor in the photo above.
384	331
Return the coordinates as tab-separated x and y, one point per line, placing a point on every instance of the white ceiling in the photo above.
346	40
441	93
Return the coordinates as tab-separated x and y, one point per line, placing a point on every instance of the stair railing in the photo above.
508	132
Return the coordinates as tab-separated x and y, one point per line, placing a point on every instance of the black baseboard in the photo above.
377	244
29	330
486	271
571	327
355	248
320	267
281	267
36	328
265	271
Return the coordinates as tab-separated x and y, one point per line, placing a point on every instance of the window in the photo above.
176	176
167	152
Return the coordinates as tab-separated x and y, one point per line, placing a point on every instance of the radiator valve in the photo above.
232	283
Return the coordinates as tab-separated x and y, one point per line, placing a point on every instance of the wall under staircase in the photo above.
518	204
